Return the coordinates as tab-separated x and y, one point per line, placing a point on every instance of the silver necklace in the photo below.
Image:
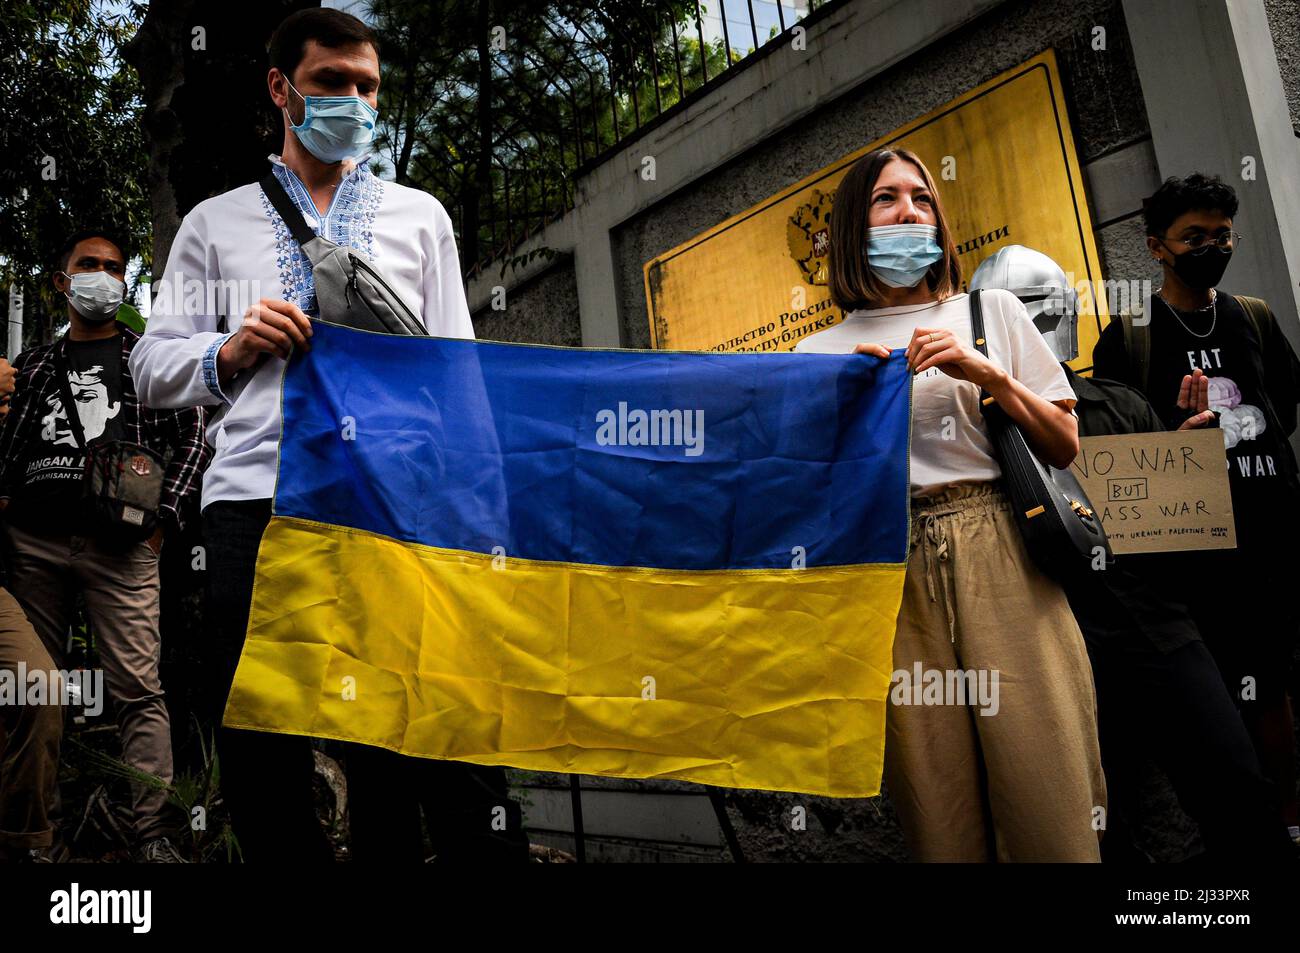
1214	314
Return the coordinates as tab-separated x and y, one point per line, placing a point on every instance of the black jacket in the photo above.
1108	407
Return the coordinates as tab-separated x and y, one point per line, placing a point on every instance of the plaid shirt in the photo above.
178	431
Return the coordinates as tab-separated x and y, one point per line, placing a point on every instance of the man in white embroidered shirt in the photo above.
324	78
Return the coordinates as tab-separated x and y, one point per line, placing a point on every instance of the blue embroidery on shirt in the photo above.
349	222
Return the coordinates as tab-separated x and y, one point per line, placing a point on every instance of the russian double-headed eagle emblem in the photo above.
808	234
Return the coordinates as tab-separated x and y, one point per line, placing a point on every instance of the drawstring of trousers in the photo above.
933	532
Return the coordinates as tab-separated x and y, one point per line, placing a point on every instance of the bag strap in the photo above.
977	323
289	212
1137	344
61	371
977	336
1261	316
1258	313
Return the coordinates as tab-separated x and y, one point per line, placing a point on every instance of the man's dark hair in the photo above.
328	27
1178	196
69	245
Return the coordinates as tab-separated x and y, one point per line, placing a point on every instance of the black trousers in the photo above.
266	778
1174	709
467	810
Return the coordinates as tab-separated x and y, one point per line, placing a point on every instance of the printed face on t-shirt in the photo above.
94	409
91	395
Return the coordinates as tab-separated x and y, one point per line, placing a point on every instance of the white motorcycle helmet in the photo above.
1041	286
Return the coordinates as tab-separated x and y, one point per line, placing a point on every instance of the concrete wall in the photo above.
1284	24
791	113
870	66
846	44
1102	92
540	310
1241	127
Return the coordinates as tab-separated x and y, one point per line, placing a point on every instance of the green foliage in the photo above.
189	790
565	81
72	147
133	319
715	61
213	841
509	262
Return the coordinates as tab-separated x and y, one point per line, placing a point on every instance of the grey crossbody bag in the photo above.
349	288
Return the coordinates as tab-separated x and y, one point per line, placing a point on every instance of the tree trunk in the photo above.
208	115
411	126
482	182
155	53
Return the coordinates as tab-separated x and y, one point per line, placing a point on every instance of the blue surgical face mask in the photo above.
335	128
900	255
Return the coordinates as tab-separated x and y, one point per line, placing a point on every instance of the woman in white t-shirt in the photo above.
1002	763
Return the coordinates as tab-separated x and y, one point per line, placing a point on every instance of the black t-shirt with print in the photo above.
1253	388
49	493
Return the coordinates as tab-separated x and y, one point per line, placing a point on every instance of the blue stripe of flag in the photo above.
537	452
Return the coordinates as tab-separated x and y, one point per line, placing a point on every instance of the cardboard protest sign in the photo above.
1159	492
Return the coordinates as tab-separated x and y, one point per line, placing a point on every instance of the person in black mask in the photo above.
1240	598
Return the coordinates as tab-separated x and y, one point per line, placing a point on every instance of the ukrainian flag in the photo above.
622	563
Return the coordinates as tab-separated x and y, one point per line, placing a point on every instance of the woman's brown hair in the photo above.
853	286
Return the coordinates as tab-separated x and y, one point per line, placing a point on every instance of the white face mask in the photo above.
96	295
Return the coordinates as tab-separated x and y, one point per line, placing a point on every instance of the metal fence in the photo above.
608	87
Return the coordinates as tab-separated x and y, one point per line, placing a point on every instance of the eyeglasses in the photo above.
1199	243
